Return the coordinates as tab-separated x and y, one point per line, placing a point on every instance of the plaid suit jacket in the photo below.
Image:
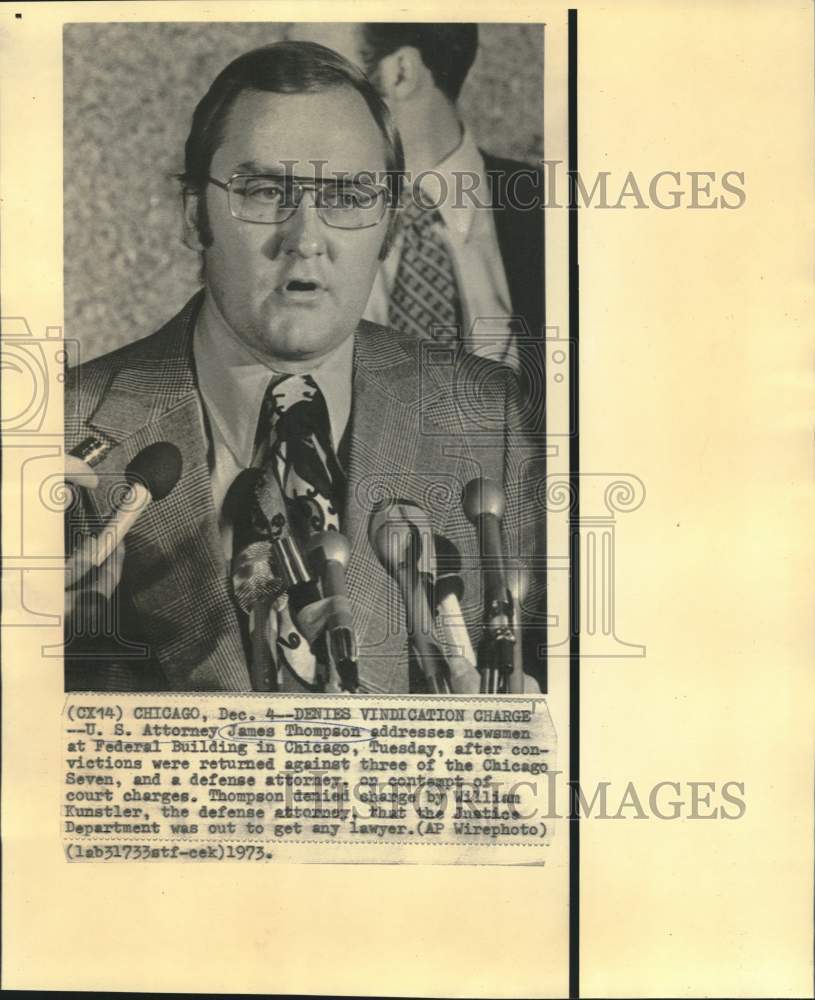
425	420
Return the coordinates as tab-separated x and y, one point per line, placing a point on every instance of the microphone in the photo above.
289	564
397	511
237	502
447	593
397	542
252	576
151	475
328	553
483	504
518	582
255	586
256	590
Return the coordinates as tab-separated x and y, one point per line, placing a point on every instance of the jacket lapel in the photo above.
175	570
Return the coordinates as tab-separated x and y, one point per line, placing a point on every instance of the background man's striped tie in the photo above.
425	294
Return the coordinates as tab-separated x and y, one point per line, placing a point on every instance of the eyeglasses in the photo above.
270	200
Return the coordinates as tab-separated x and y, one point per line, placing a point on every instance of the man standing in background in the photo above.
478	257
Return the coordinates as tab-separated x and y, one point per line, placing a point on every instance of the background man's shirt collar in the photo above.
454	172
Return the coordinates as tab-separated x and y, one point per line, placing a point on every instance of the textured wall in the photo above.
129	93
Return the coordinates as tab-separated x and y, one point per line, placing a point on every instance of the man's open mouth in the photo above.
302	285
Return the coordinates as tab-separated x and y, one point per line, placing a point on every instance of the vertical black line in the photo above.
574	530
544	146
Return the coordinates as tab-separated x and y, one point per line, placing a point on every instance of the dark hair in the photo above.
448	50
280	68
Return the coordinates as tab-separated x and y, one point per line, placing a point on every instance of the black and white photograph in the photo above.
304	268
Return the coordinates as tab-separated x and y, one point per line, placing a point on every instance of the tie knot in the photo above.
419	216
293	406
287	391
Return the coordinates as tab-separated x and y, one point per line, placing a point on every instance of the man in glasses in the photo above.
295	419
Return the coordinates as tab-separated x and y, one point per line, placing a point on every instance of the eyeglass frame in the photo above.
300	186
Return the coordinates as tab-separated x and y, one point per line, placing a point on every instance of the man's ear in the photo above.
402	74
192	235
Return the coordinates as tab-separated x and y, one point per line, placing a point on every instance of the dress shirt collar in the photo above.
457	211
233	382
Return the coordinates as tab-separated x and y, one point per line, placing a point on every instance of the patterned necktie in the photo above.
295	428
296	492
425	293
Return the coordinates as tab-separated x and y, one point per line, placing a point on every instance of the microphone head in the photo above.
482	496
239	495
157	467
411	529
448	557
448	569
384	512
329	546
252	576
238	502
397	544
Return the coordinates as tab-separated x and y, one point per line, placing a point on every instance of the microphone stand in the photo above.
328	553
429	655
302	590
496	651
483	504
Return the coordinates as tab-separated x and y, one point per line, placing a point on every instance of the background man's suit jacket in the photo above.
425	420
520	235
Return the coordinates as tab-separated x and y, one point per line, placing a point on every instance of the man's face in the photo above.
295	290
341	37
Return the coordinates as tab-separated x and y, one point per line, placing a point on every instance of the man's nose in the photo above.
305	231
